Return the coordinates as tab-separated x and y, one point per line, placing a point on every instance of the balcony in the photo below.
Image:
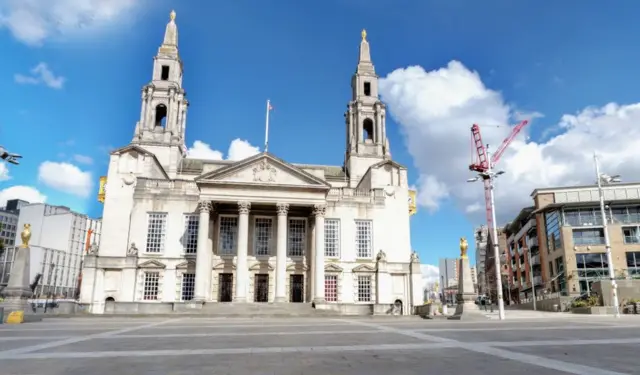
535	260
585	241
583	221
537	280
631	239
532	241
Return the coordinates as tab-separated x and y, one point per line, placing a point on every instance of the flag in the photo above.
270	107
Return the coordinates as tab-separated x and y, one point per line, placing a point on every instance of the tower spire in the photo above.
170	42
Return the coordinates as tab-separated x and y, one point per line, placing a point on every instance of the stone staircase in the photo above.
233	309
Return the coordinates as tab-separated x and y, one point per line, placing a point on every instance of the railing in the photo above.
535	260
151	184
631	239
577	221
532	241
588	240
537	280
626	219
357	195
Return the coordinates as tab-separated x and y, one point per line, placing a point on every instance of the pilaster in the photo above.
281	252
242	267
319	211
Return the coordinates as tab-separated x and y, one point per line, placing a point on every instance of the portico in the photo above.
268	193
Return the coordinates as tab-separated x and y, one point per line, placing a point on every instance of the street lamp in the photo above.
488	177
604	179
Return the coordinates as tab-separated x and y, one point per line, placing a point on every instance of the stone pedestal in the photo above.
18	291
466	297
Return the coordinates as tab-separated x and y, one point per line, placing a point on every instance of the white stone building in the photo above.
181	233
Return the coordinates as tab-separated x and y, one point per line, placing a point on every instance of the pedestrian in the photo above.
483	302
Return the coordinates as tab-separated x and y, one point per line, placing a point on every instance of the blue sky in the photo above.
71	80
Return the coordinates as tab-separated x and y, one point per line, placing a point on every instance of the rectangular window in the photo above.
228	241
332	238
188	286
156	232
331	288
552	225
363	239
297	237
190	235
631	234
262	233
592	236
151	286
367	88
633	264
364	288
165	73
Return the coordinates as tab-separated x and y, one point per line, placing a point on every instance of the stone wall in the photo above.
563	303
627	289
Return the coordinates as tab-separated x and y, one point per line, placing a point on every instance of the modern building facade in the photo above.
179	231
8	230
58	242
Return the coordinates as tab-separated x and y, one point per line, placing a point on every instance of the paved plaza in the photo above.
557	344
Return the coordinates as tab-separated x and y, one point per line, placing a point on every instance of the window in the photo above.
297	237
161	115
332	238
633	264
363	239
228	235
592	236
367	130
156	232
562	286
165	73
190	235
151	286
583	217
552	225
188	286
262	235
591	267
631	234
364	288
367	88
331	288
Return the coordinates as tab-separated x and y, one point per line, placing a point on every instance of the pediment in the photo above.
262	170
332	267
134	150
259	266
187	264
364	268
152	264
390	163
297	267
224	265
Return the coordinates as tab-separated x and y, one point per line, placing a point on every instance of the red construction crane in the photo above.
482	164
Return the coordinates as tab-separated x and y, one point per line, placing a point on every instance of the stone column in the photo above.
281	252
242	268
202	252
318	263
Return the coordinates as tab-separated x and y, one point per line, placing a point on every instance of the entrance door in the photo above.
226	287
261	292
297	288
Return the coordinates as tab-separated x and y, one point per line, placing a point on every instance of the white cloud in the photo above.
4	172
83	159
436	109
430	274
238	149
26	193
41	74
32	22
65	177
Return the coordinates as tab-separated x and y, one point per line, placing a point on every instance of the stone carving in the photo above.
93	249
133	250
382	256
319	209
244	207
264	172
415	258
463	247
204	206
283	208
129	179
25	235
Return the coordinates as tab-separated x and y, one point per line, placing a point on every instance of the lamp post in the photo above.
533	285
603	179
489	176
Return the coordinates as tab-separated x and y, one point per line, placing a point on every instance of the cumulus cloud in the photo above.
26	193
32	22
430	274
65	177
435	110
40	74
238	149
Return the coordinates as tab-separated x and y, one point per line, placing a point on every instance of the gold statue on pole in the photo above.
463	247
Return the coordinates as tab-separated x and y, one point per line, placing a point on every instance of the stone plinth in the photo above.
466	297
18	291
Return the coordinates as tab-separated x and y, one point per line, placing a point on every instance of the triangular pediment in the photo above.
262	170
389	162
134	150
187	264
364	268
331	267
152	264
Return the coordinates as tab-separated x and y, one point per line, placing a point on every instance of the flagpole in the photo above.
266	133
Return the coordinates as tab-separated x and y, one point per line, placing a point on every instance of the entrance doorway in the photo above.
226	287
297	288
261	292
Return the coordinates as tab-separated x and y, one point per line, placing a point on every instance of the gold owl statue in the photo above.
463	247
26	235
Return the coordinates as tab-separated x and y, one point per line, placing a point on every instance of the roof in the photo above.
579	187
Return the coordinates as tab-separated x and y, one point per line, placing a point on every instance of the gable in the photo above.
263	169
364	268
331	267
152	264
133	150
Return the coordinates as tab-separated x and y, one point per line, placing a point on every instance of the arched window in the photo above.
161	115
367	130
